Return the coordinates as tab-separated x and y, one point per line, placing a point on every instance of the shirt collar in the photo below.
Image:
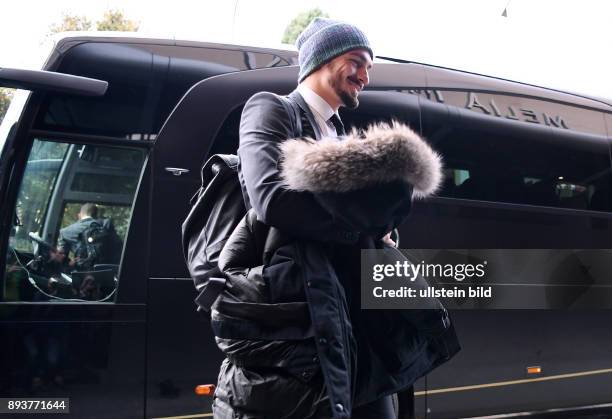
316	102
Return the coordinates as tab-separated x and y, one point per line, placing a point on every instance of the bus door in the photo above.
72	313
181	348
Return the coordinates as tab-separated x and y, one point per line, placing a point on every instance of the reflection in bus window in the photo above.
516	164
41	172
119	214
71	220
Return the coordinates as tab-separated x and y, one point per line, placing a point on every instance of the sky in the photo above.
563	44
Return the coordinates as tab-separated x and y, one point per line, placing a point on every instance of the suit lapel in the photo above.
295	95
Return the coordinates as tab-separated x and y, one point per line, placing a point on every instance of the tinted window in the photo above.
226	59
495	159
44	165
145	84
72	215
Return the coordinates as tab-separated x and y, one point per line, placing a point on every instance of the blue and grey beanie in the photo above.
324	39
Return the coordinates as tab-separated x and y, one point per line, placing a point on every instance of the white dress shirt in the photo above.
320	109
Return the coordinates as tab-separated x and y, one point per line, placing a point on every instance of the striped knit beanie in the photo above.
325	39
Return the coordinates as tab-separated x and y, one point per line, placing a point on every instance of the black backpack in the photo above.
217	208
96	244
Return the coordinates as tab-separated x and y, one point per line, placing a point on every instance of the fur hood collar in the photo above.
382	153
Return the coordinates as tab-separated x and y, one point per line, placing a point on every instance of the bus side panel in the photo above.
92	355
498	345
181	350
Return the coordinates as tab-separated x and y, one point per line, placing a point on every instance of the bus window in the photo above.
514	162
70	223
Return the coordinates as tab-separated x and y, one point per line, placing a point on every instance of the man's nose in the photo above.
364	76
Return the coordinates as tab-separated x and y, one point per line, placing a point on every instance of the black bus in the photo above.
525	168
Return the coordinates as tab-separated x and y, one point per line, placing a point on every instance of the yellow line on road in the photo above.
454	389
509	383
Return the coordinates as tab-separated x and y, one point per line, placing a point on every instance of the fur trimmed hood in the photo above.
380	154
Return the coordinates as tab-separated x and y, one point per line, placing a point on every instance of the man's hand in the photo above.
388	240
57	255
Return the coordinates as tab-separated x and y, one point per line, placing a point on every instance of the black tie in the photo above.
337	124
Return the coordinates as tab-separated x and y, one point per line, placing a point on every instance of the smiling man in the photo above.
297	344
333	65
335	59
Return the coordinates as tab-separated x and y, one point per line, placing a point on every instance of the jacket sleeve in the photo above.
62	243
66	238
373	210
369	178
264	126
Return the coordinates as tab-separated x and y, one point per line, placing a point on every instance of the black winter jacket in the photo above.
293	274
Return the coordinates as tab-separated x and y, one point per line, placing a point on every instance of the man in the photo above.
325	365
70	236
335	59
71	240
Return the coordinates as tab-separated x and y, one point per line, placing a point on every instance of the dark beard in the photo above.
348	100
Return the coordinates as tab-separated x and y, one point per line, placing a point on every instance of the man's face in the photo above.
348	75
